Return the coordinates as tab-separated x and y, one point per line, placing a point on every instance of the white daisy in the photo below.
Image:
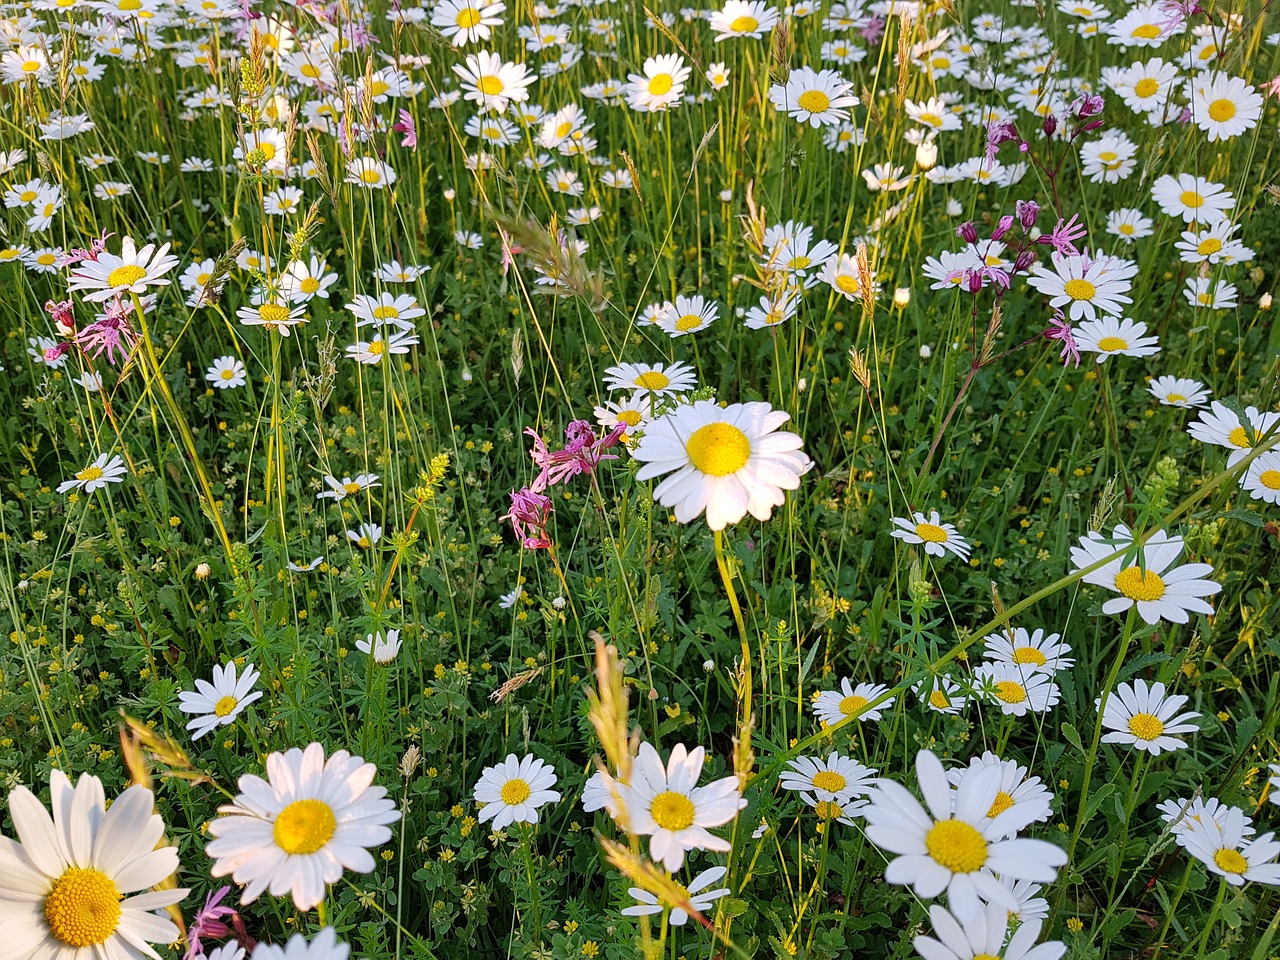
814	97
512	791
661	84
106	469
835	778
226	373
742	18
132	271
325	946
696	895
341	489
1031	651
1016	689
1223	106
654	379
982	937
1179	392
1028	796
1115	336
833	706
687	314
1145	717
1223	849
936	537
635	411
1222	427
1181	815
1192	198
382	647
1262	479
941	694
1082	285
218	704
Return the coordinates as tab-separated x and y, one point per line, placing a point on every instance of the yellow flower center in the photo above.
1079	289
798	263
351	487
653	380
226	705
1146	87
672	811
304	826
814	101
1001	803
661	84
1191	198
1140	584
378	347
1029	655
371	175
1209	246
828	810
630	417
273	313
228	374
957	846
1176	398
1230	861
847	283
718	449
126	276
1126	229
1107	155
515	792
690	321
467	18
1010	691
939	701
745	24
1239	437
1109	344
1145	726
829	781
89	473
931	533
932	119
1222	110
309	285
46	259
27	196
31	66
310	70
490	86
1270	479
852	704
564	130
385	312
1147	31
379	87
83	908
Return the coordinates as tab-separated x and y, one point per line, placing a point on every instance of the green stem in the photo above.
1213	918
1172	910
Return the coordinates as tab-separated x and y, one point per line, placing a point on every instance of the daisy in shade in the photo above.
841	810
106	469
132	271
696	895
1223	849
325	946
341	489
660	86
654	379
817	98
71	884
1262	480
742	18
936	536
982	937
218	704
951	844
941	694
1223	106
1115	336
1017	690
1192	198
1222	427
1181	815
1145	717
1179	392
835	778
1210	294
1145	576
512	791
1081	285
296	831
666	804
833	706
599	793
365	536
1027	795
724	461
1032	651
226	373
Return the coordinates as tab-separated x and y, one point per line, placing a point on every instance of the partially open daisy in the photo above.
1035	651
218	704
1115	336
512	791
1179	392
656	379
105	469
814	97
1262	479
833	706
726	461
300	828
665	804
383	647
133	270
1016	689
1027	797
936	537
1145	576
65	883
1223	849
1145	717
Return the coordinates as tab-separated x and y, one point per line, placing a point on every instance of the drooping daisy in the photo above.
833	706
726	461
835	778
105	469
1222	427
941	694
512	791
1262	479
1082	285
372	351
1223	106
1031	651
226	373
933	114
132	271
1210	294
687	315
341	489
1111	336
1145	717
817	98
1145	576
937	537
742	18
1028	796
325	946
696	895
1223	849
382	647
952	844
654	379
218	704
296	831
660	85
1016	689
982	937
665	804
1179	392
304	567
1192	198
65	882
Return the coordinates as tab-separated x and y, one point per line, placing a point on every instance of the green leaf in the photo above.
1073	736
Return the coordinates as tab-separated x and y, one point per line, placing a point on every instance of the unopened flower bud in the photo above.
926	155
202	571
901	297
1264	302
967	232
1027	211
1050	125
1005	225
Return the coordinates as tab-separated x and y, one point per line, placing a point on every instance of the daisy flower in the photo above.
818	98
370	173
512	791
936	536
661	84
843	276
1129	224
635	411
1015	689
325	946
272	316
303	279
941	694
696	895
65	882
1192	198
726	461
509	600
598	793
1222	427
982	937
1145	87
1223	106
835	778
1145	717
688	314
226	373
1082	285
655	379
464	21
386	309
132	271
1179	392
1031	651
1262	480
218	704
666	804
933	114
833	706
106	469
296	831
1144	25
1181	815
365	536
1111	336
382	647
372	351
1145	576
742	18
951	844
304	567
1027	795
341	489
1209	293
1223	849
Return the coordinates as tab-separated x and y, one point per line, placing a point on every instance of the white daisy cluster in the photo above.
1240	432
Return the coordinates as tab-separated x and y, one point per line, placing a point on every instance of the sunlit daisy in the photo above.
1109	336
464	21
370	173
687	315
1223	106
217	704
302	280
817	98
105	469
655	379
936	537
1144	717
1223	849
1082	286
272	315
1016	689
835	778
742	18
132	271
833	706
982	937
661	84
1021	801
1192	198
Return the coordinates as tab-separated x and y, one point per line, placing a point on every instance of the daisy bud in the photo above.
202	571
926	351
953	208
901	297
449	194
1264	302
726	196
926	155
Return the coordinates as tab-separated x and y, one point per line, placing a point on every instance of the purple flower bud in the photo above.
1024	260
1090	105
975	280
1093	125
1027	211
967	232
1050	125
1005	225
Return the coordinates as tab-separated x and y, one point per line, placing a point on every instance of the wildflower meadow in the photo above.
549	480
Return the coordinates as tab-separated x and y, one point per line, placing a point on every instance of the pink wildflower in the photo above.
1064	236
529	515
1060	329
406	126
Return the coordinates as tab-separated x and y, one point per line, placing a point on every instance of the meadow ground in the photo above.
596	479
